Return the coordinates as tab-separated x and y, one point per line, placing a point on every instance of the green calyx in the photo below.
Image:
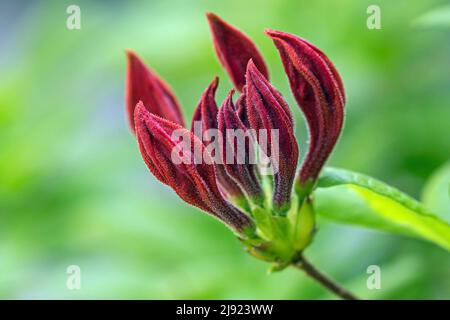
280	239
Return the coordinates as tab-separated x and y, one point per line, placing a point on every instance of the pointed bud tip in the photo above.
251	66
132	56
212	17
140	111
280	35
214	83
274	33
252	71
228	102
270	32
230	94
211	88
215	20
129	53
138	108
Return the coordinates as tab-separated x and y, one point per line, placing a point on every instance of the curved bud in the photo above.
267	110
241	108
205	120
206	111
144	85
184	165
239	155
319	91
234	50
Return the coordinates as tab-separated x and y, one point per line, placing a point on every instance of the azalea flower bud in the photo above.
267	110
205	120
239	151
216	166
193	181
234	50
144	85
319	91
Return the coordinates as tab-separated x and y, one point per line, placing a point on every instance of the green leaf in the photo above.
354	198
436	193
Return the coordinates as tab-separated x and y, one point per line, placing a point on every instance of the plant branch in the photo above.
324	280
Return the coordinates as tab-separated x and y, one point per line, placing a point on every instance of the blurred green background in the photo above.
74	190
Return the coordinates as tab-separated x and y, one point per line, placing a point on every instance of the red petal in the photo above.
144	85
194	182
206	112
240	168
234	50
267	110
319	91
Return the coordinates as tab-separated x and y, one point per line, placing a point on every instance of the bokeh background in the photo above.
74	190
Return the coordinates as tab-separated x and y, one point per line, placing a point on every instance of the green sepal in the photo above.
279	239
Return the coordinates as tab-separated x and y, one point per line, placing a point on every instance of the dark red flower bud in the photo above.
234	50
319	91
239	156
144	85
205	116
177	164
206	110
266	109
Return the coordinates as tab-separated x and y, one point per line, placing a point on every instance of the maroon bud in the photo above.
144	85
194	181
234	50
266	109
205	116
206	110
239	155
319	91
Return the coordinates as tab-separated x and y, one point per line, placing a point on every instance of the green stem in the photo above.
324	280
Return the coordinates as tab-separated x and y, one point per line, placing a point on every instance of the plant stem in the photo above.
324	280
